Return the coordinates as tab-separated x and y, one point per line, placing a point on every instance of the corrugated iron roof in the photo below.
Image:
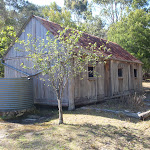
118	53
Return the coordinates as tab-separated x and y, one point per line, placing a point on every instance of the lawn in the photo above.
82	130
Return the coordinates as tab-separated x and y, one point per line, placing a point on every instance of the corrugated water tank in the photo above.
16	93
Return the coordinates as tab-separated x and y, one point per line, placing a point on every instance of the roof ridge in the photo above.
118	53
45	20
69	28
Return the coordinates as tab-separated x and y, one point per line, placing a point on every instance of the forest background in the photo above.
125	22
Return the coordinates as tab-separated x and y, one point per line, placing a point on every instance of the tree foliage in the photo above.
93	25
16	12
114	10
78	8
58	15
133	34
7	35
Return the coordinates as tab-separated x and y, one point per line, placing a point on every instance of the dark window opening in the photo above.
135	73
90	71
120	72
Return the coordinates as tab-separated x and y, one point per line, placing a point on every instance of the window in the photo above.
120	72
90	71
135	73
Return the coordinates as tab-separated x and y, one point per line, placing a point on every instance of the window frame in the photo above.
91	78
120	76
135	73
92	73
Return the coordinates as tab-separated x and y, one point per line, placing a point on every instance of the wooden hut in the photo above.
122	74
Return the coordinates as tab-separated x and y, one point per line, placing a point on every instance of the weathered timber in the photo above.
121	113
141	116
144	115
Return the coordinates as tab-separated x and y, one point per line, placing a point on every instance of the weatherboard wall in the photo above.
43	93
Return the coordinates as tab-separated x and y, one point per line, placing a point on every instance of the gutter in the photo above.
15	68
28	75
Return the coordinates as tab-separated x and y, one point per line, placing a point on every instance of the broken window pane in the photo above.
90	71
120	72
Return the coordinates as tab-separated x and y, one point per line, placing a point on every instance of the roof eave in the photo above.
139	62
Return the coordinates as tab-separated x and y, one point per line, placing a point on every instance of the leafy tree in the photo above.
7	35
61	61
133	34
4	15
137	4
58	15
92	25
82	12
78	7
24	12
16	12
114	10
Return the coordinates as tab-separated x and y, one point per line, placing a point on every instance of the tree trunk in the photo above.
112	11
60	111
116	11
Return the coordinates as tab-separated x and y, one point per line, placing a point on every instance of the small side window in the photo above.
90	72
120	72
135	73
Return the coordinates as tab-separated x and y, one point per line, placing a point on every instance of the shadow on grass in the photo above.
85	137
113	132
51	113
39	115
48	113
103	114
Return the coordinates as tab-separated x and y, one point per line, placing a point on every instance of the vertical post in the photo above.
110	78
71	94
71	89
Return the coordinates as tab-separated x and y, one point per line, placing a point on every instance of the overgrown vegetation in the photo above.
133	101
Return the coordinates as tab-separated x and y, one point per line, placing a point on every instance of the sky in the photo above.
47	2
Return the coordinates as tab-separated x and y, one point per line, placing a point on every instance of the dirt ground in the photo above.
146	86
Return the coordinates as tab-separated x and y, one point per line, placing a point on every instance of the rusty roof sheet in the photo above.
118	53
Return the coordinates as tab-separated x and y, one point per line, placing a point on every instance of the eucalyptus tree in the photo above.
77	7
114	10
15	12
58	15
61	59
93	25
133	34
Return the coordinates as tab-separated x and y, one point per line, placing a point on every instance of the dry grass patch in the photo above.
83	129
146	84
